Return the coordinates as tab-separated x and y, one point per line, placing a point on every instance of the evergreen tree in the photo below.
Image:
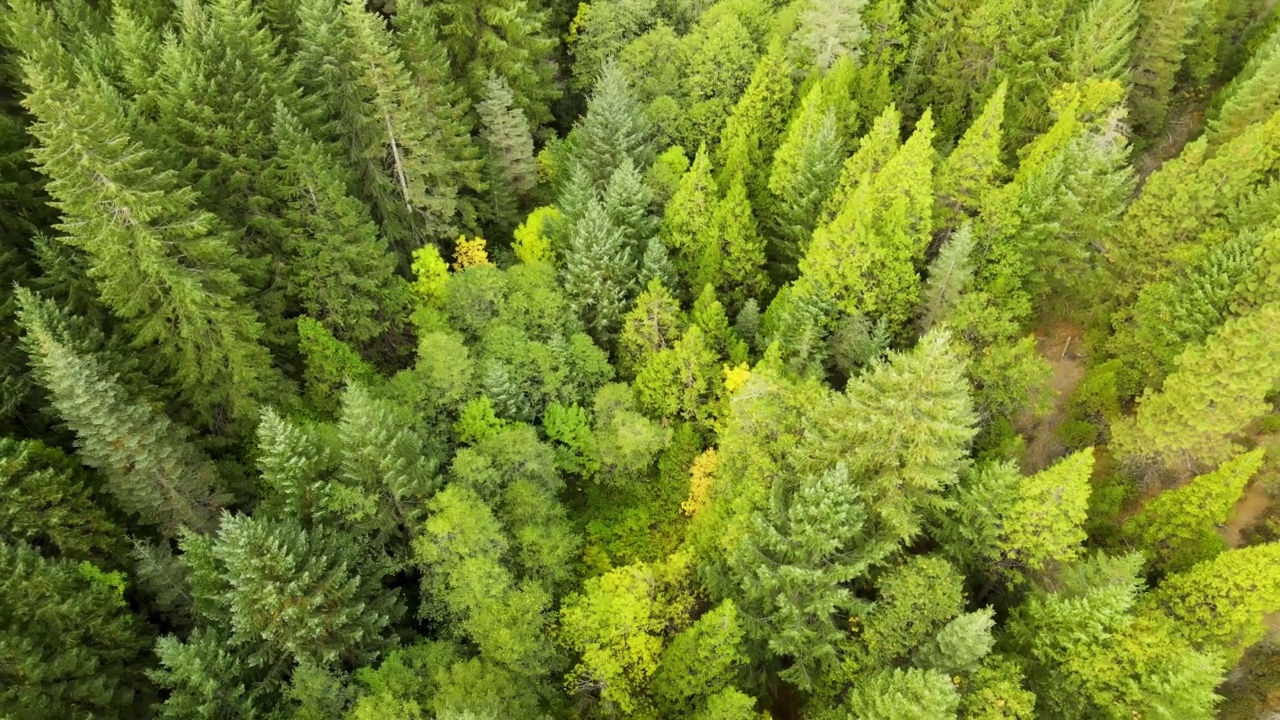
719	57
330	364
910	694
973	168
204	679
1045	522
741	272
1177	528
1218	605
509	38
165	268
875	149
626	202
342	273
804	171
1100	41
150	467
614	128
751	133
69	642
883	53
949	276
1252	97
310	595
1165	28
653	325
700	662
599	273
688	221
1215	390
511	173
49	503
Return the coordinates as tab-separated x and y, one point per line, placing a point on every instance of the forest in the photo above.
643	359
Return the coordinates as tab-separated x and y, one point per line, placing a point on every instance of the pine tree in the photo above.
804	171
1177	528
342	273
1216	389
310	595
1100	41
203	678
509	38
599	273
165	268
973	168
688	221
69	641
949	276
1165	27
741	272
49	503
150	467
1252	97
1045	523
1219	605
511	173
615	127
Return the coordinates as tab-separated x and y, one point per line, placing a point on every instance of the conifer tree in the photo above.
883	53
1100	41
510	38
626	202
656	264
804	171
203	677
1218	605
1216	388
330	363
69	640
599	273
831	29
165	268
875	149
1165	27
653	325
615	127
949	276
1177	528
741	272
973	168
1252	97
688	221
511	173
49	503
150	467
1045	523
906	694
751	133
720	55
310	595
342	273
701	661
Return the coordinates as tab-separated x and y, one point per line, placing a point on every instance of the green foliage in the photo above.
1100	41
805	169
910	694
973	168
916	599
1177	528
1165	30
330	364
700	662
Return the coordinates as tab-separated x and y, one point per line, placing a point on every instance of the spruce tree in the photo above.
804	171
49	502
510	170
70	643
204	678
751	134
1044	524
167	269
1165	28
973	168
1216	389
341	272
884	52
150	467
1252	97
599	273
614	127
1177	528
627	201
949	276
875	149
741	272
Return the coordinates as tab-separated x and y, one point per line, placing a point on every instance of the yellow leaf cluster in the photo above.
469	252
700	475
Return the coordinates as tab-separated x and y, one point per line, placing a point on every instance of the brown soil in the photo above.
1253	504
1062	344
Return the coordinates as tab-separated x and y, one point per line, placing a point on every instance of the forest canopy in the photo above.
706	359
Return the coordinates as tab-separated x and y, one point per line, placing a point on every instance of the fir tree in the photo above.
949	276
165	268
511	173
203	677
750	135
831	29
875	149
69	641
150	467
719	55
688	220
653	325
1165	28
904	694
1045	523
342	273
883	53
626	202
1177	528
1252	97
614	128
741	272
701	661
599	273
1215	390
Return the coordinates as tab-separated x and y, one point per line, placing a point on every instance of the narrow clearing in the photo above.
1062	345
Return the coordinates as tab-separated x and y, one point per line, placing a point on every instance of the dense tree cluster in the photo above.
488	359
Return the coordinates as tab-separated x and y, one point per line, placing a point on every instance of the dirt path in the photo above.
1062	345
1253	504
